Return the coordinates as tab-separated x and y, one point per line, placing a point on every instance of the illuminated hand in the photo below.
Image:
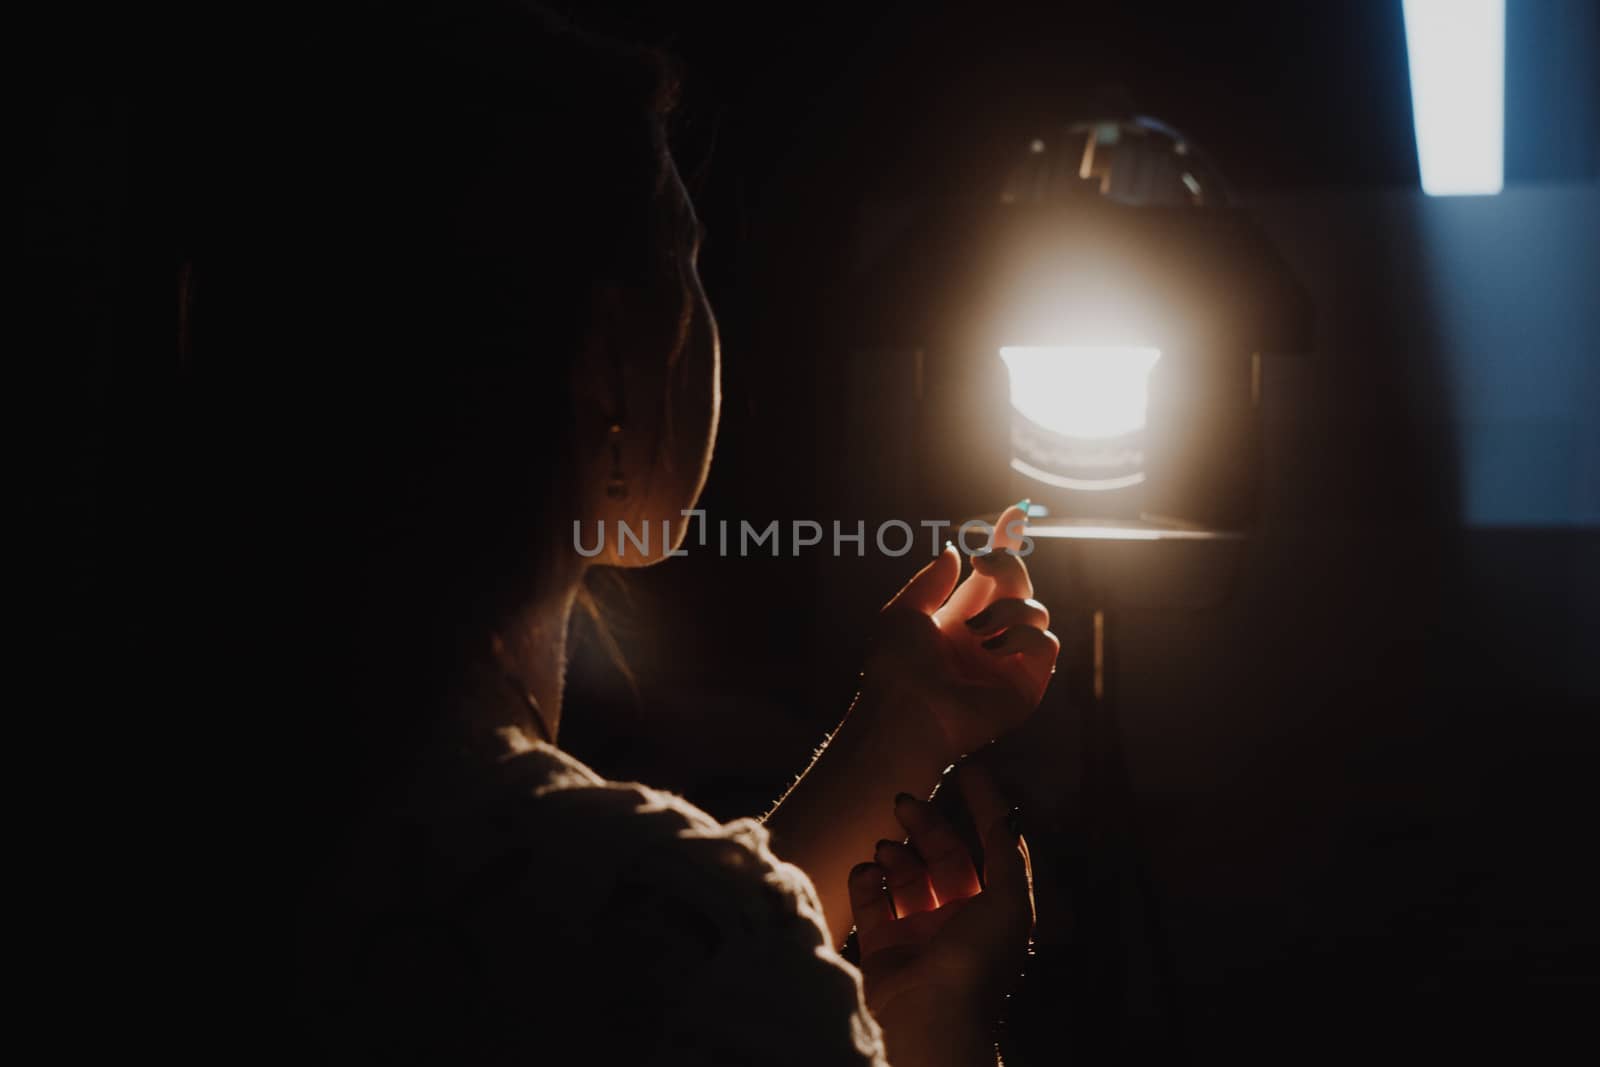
951	668
939	951
975	658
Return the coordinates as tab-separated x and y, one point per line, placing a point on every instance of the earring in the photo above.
616	485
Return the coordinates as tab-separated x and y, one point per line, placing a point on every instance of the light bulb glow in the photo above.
1079	391
1456	50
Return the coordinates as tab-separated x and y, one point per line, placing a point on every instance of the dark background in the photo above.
1359	760
1353	805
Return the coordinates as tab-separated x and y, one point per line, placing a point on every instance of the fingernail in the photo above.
888	855
997	640
978	621
986	559
1014	822
1024	504
949	545
904	798
861	868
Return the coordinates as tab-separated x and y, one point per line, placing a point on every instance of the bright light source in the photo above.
1081	392
1457	52
1078	410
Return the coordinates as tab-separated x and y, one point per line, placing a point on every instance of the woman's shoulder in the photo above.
618	895
647	844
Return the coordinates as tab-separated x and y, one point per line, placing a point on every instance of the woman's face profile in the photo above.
671	371
694	389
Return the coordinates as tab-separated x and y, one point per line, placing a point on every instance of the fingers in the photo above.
1009	526
906	877
996	572
931	586
1003	614
1024	641
1036	651
1000	561
1009	573
870	906
1006	874
949	865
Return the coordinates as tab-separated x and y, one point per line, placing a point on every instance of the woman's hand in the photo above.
939	951
951	668
974	657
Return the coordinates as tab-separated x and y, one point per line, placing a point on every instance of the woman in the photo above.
443	306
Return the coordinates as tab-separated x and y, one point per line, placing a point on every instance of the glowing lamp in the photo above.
1130	298
1088	338
1078	413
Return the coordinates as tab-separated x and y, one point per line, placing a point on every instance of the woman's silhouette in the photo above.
441	304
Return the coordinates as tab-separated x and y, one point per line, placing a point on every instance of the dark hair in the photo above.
393	269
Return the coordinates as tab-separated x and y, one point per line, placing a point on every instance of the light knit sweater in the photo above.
542	914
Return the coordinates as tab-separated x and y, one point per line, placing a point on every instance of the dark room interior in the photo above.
1315	775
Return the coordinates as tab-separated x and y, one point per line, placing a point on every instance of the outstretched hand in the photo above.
974	655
